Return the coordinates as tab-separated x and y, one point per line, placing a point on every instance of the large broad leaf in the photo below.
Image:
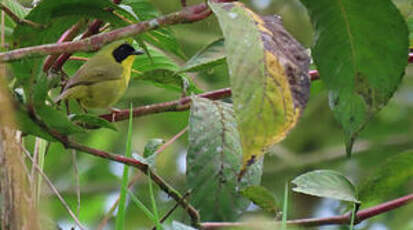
326	183
214	160
212	55
388	179
269	76
360	52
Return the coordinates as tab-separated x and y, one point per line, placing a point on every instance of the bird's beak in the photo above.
138	52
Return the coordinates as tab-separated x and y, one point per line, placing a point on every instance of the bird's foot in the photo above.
114	112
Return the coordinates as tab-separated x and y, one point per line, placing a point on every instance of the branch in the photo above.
186	15
93	29
334	220
171	106
18	20
68	35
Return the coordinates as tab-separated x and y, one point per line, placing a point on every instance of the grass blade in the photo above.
153	201
285	208
142	207
121	216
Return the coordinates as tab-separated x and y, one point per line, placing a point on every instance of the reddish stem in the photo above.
177	105
68	35
334	220
93	29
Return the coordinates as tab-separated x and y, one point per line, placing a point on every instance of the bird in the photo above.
103	79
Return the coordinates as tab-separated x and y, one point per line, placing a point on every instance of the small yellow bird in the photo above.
104	78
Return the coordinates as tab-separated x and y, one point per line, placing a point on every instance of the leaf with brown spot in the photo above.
269	76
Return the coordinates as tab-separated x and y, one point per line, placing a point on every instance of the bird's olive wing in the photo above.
94	71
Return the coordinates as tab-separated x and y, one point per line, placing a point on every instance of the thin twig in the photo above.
93	29
18	20
77	180
171	210
334	220
172	140
68	35
171	106
54	189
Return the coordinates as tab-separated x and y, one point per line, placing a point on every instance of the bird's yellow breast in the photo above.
106	93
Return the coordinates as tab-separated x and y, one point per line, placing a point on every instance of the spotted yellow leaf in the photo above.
269	77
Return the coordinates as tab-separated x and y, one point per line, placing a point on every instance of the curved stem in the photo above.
334	220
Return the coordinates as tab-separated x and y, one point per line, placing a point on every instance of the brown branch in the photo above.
68	35
93	29
334	220
18	20
177	105
93	43
143	167
171	106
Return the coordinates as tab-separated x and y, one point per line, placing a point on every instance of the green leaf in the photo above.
361	56
269	76
54	119
326	183
28	126
208	57
162	37
57	16
214	160
152	146
262	197
388	179
162	72
180	226
121	216
91	121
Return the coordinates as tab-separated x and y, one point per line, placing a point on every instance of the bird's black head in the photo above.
123	51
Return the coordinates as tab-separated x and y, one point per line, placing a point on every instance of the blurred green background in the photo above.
316	143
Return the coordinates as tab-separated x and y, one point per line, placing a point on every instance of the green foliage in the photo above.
53	118
361	57
208	57
326	183
262	197
390	176
91	121
161	71
152	146
214	160
57	16
163	38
